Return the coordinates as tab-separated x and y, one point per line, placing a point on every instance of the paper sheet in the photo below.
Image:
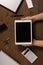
6	60
11	4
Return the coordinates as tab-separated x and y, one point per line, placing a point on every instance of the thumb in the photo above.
27	18
38	43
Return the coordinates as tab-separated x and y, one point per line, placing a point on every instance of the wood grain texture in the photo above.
13	50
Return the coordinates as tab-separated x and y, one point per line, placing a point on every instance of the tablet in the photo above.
23	32
11	4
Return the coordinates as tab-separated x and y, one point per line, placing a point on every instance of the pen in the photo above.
17	15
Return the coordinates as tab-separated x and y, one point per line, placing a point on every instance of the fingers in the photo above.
38	43
27	18
34	18
27	45
35	43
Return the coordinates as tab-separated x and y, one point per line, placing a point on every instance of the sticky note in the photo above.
29	3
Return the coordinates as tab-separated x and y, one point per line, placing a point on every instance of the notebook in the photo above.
11	4
6	60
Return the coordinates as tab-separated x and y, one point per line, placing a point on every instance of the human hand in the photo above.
35	43
34	18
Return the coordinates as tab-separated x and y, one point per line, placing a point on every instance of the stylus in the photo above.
17	15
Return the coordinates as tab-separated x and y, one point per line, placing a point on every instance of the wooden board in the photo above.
13	50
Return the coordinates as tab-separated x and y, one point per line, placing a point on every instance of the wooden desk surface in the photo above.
13	50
